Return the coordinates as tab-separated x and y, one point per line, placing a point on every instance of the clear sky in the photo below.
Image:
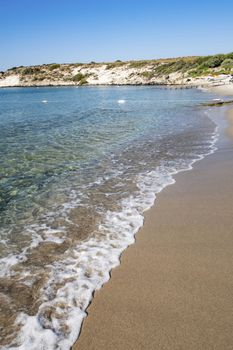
46	31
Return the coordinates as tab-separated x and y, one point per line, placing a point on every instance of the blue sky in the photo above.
39	31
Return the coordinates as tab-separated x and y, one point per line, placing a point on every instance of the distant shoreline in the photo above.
171	86
182	71
209	87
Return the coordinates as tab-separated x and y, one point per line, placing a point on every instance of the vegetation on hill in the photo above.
142	71
80	78
193	66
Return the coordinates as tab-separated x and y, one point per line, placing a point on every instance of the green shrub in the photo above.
227	63
115	65
77	64
229	55
148	74
38	78
28	70
78	77
198	71
54	66
214	61
204	65
202	59
83	81
137	64
175	66
31	70
222	71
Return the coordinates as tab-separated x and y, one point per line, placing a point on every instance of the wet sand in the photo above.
229	130
173	289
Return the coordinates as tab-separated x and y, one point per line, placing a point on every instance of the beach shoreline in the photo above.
229	130
175	245
117	191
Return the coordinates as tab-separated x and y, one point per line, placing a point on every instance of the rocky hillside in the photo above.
192	71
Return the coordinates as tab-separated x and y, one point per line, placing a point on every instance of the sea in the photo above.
79	166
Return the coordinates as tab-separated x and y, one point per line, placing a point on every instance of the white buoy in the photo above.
44	101
121	101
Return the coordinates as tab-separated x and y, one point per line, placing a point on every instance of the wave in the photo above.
87	266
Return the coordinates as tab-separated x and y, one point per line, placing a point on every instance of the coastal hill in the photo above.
190	71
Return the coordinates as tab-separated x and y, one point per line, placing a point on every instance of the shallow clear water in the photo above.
77	170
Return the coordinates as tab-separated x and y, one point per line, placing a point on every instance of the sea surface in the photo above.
78	167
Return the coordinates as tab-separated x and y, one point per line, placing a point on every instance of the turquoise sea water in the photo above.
78	166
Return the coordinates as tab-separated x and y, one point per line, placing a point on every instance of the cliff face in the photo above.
190	71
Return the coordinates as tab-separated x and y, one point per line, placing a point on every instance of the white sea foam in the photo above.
39	233
86	268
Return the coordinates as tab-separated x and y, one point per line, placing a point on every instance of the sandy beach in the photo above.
225	90
173	289
116	175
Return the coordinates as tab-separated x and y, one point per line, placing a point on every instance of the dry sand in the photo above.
226	90
174	287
